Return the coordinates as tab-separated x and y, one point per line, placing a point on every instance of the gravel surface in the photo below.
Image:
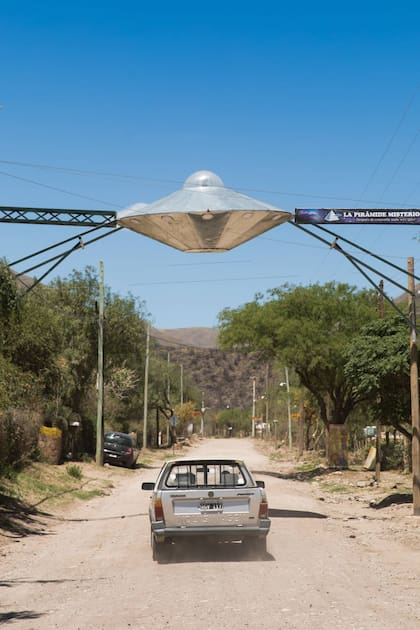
332	562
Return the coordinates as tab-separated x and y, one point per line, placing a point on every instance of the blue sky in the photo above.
309	105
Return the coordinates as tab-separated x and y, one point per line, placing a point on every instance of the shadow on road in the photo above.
398	498
275	513
216	552
18	519
17	581
141	466
13	615
302	475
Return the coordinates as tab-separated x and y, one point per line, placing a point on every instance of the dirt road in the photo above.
94	570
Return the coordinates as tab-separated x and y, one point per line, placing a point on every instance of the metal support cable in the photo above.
366	251
334	245
61	257
377	287
360	262
353	260
49	260
46	249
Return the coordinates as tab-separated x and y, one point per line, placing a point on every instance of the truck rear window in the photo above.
205	475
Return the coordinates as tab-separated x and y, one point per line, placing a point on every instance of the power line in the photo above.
202	281
389	143
62	190
223	262
401	162
123	176
87	172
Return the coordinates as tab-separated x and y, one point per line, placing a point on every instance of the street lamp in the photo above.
289	414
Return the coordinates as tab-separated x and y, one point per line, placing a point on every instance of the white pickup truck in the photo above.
215	499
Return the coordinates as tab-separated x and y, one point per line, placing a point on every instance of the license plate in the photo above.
211	507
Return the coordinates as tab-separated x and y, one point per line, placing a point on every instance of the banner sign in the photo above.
356	215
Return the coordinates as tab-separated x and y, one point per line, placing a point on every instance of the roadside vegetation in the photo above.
321	359
48	368
350	367
39	492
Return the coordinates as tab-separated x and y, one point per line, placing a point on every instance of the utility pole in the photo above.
289	414
100	377
203	411
146	387
378	454
267	374
301	429
253	406
182	384
168	395
168	385
414	388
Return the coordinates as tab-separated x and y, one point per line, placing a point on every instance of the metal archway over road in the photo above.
205	216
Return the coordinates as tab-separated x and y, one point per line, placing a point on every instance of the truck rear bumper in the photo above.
215	533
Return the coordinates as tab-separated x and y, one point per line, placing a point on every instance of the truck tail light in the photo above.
263	511
158	508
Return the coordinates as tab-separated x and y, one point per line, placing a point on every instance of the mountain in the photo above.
197	337
223	378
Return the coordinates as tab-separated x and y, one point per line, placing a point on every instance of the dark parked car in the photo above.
119	449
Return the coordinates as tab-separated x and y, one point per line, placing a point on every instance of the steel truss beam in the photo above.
56	216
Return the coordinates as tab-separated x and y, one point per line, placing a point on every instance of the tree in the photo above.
185	413
238	420
308	329
378	363
124	339
75	298
49	352
9	301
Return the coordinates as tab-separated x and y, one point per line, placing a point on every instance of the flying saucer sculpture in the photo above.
203	216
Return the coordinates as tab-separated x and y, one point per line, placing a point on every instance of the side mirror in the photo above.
260	484
147	485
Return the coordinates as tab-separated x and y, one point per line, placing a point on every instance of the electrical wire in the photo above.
122	176
136	284
62	190
86	172
390	141
400	163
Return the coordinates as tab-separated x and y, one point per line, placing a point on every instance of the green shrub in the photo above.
7	472
74	471
18	438
393	456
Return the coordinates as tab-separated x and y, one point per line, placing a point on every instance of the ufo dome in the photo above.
203	178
